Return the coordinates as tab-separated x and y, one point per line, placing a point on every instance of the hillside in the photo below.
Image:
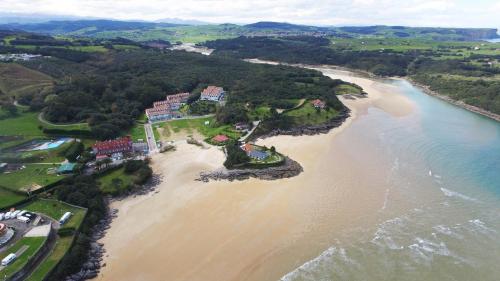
464	71
143	31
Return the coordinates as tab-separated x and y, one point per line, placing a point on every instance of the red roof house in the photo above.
213	93
113	146
318	103
220	138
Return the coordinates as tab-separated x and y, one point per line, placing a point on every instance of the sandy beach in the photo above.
254	229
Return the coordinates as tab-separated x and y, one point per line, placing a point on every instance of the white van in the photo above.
23	219
7	215
8	259
14	214
65	218
2	215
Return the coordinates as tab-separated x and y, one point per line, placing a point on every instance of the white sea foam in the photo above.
385	199
480	226
425	249
449	231
326	256
382	236
451	193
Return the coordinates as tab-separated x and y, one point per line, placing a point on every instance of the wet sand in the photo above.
252	230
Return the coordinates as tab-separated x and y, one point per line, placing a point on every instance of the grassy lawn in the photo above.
260	113
33	174
107	185
308	115
198	124
347	89
56	209
27	124
24	124
8	198
137	132
62	246
33	243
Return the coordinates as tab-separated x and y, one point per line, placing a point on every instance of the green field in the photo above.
442	49
27	124
9	198
137	132
56	209
34	244
62	246
110	185
345	89
192	125
32	175
308	115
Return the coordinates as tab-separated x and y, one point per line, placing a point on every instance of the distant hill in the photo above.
194	31
281	26
84	27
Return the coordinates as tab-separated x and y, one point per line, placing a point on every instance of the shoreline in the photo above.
254	230
427	90
424	88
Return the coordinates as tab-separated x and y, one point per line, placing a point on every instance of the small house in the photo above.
317	103
220	138
242	126
66	168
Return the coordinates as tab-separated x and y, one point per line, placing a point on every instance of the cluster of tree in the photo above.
311	51
140	169
76	148
478	92
202	107
417	63
236	157
110	92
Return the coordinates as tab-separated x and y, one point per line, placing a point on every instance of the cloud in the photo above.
478	13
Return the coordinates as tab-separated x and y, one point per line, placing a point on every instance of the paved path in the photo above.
184	118
255	125
41	119
150	138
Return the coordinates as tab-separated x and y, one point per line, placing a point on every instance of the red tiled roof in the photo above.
212	91
318	103
112	146
247	147
220	138
178	97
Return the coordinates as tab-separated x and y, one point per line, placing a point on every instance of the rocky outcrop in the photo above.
92	266
289	169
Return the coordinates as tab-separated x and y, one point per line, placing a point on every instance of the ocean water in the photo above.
441	215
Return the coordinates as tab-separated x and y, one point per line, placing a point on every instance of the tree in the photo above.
235	156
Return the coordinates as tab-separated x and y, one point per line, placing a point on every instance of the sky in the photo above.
445	13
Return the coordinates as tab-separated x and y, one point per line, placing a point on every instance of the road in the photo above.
150	138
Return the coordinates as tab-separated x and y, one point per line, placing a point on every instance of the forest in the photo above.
471	79
110	90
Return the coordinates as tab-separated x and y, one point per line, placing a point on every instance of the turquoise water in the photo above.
441	218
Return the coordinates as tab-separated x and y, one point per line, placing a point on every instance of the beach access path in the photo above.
150	137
